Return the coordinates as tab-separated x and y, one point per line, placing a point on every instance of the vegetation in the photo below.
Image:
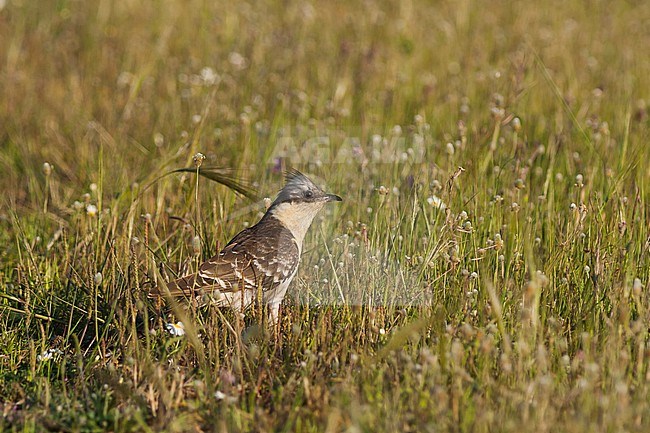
487	271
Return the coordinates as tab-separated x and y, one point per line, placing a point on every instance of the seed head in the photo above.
579	181
196	245
519	184
198	159
498	242
450	148
637	287
158	139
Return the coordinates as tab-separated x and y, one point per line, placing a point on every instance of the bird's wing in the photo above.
255	258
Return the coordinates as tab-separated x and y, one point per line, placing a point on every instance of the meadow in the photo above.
487	271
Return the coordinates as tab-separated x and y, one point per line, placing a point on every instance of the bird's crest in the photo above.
296	186
294	178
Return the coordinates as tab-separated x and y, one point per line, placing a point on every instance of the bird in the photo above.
260	262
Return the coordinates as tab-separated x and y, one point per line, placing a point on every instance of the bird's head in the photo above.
298	203
301	189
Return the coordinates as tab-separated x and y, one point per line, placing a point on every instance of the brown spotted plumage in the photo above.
261	256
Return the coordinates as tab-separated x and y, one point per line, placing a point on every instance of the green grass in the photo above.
524	306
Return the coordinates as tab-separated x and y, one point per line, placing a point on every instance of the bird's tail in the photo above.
171	286
181	287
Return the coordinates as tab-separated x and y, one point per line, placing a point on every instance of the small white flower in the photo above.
91	210
209	76
222	396
49	354
237	60
47	167
176	329
436	202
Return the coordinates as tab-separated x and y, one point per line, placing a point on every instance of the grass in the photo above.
521	306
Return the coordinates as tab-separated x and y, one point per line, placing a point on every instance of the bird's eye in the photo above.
308	194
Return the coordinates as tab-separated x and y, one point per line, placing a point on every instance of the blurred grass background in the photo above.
523	306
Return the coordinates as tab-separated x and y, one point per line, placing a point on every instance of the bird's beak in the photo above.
332	197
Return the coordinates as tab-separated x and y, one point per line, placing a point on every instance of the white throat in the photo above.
297	217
